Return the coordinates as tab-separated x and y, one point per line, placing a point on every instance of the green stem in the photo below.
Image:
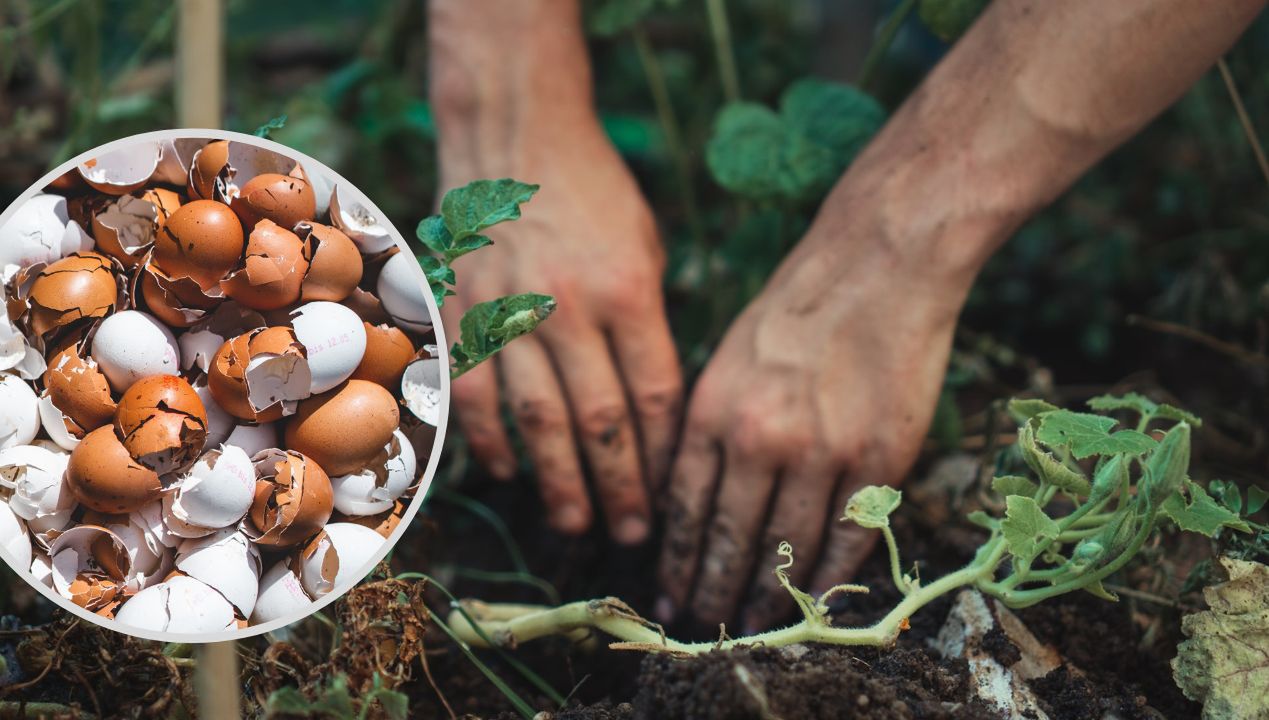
896	570
883	42
720	31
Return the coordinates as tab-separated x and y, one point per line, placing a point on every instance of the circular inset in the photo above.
203	434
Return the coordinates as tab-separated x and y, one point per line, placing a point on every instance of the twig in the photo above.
720	31
1233	350
1243	117
1141	595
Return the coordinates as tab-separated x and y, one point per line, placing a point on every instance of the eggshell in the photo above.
14	538
359	224
76	388
284	199
346	428
271	273
388	352
334	339
293	499
337	558
385	523
180	604
150	520
205	167
374	490
121	171
202	240
421	389
217	491
90	565
165	203
150	560
131	345
219	423
35	476
401	292
175	157
104	477
19	412
261	375
254	439
79	286
227	561
162	422
281	595
42	569
16	354
335	266
178	301
39	231
125	229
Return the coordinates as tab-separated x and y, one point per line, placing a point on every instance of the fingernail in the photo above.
631	530
502	469
570	519
664	610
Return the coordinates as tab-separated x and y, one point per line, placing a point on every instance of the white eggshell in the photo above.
150	520
355	546
421	389
117	171
219	423
374	490
359	224
16	353
150	559
226	560
198	347
35	475
42	569
14	538
335	339
401	289
179	605
39	231
72	553
19	412
175	157
54	422
217	491
281	595
254	438
131	345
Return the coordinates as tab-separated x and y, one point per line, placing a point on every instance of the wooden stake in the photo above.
200	58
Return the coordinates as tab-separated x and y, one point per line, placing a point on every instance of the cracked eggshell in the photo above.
421	389
35	478
281	595
388	352
175	158
179	604
220	424
335	265
125	229
217	491
202	240
254	439
206	165
19	412
178	301
76	398
79	286
401	292
334	338
285	199
228	562
131	345
261	375
374	490
162	422
150	520
199	344
359	224
385	523
165	203
336	557
346	428
39	231
105	478
292	499
151	560
16	353
14	538
271	273
121	171
42	568
90	566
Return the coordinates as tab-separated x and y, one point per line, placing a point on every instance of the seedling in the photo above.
1093	495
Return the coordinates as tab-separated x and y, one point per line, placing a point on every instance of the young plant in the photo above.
1094	494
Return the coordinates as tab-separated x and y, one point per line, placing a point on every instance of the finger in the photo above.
537	403
654	382
602	418
798	517
727	563
846	546
693	479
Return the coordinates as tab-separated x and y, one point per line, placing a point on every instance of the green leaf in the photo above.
949	19
1014	485
1256	499
755	154
276	123
287	701
438	276
871	506
479	205
1228	493
487	327
612	17
1138	403
1224	663
1023	409
466	245
1096	588
1202	514
839	117
1087	435
1049	468
433	234
1166	467
1174	413
1026	526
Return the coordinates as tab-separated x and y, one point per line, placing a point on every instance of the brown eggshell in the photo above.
202	240
293	499
126	215
227	377
208	162
179	302
385	523
284	199
165	202
79	389
388	352
344	429
162	422
80	285
104	477
335	267
271	273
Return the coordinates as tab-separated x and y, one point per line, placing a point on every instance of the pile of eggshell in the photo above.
202	369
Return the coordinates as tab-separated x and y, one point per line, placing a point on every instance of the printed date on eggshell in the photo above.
219	397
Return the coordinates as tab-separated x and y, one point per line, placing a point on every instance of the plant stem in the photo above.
896	571
883	42
720	31
1248	128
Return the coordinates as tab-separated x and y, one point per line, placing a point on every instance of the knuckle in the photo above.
603	422
658	402
540	416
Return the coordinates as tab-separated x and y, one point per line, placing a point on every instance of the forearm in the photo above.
500	71
1031	97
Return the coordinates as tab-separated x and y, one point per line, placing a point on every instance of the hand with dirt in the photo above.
598	385
828	380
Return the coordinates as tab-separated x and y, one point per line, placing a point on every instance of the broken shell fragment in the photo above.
165	203
285	199
254	439
13	538
385	523
216	492
219	423
272	271
125	229
337	557
90	566
19	412
121	171
281	595
261	375
388	352
334	340
401	293
175	158
40	231
228	562
359	224
335	265
33	477
292	499
177	301
162	422
76	398
104	477
150	559
77	287
374	489
320	428
421	389
178	604
205	167
131	345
